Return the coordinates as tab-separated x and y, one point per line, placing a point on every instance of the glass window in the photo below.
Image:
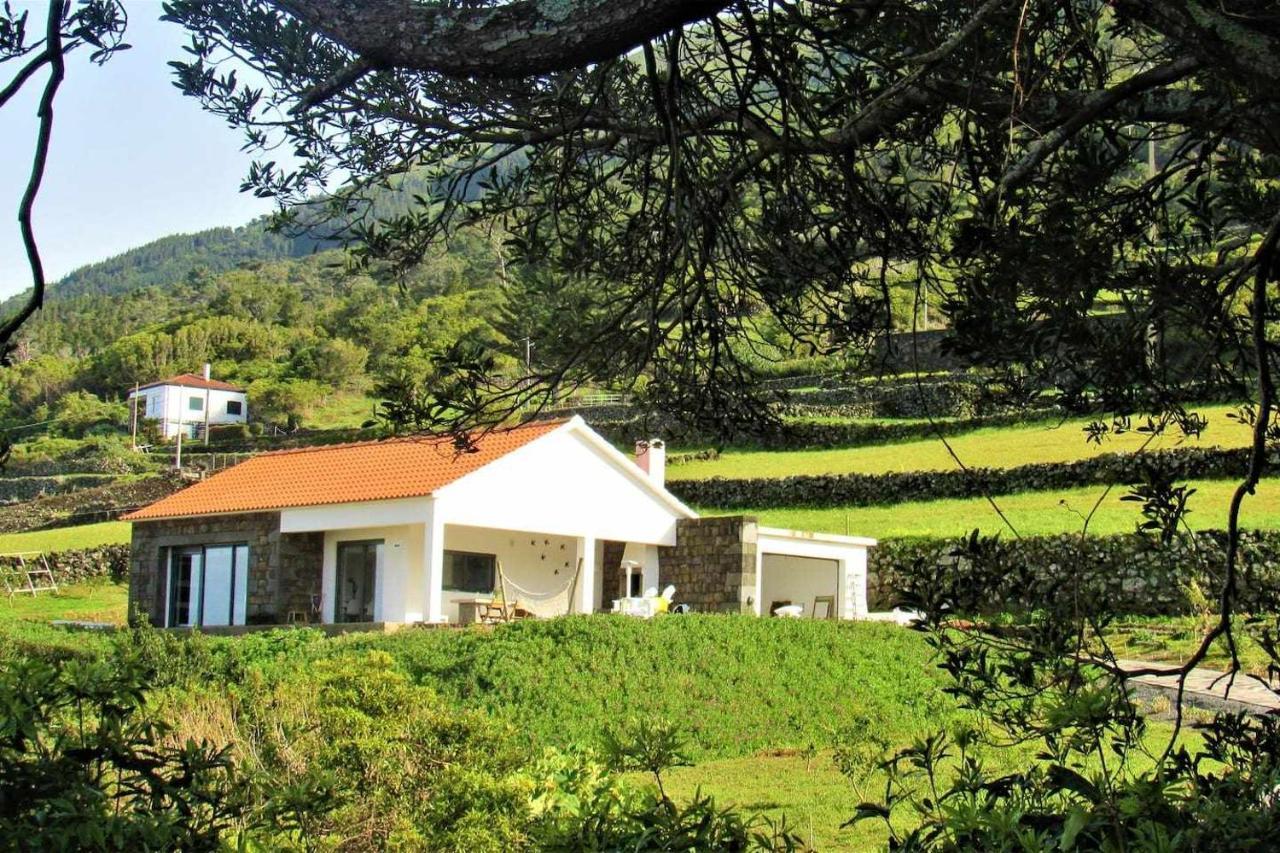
208	585
195	404
235	407
184	585
466	572
357	579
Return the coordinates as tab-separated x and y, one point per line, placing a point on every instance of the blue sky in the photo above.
131	158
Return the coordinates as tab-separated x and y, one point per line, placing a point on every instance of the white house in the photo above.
189	403
548	516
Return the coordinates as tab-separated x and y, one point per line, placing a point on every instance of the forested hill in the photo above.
174	257
303	333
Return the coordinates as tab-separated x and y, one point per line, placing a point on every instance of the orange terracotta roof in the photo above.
342	473
193	380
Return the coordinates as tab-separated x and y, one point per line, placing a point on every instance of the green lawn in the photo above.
816	799
995	447
1032	513
67	538
95	601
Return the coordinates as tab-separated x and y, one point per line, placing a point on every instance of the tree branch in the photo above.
57	69
1093	107
518	39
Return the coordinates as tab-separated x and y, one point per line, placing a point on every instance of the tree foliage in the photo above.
796	158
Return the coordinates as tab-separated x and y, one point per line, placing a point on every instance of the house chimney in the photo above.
208	370
651	456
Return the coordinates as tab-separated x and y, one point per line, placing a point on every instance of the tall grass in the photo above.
734	684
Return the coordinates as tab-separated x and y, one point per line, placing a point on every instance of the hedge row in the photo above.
803	435
1126	573
105	561
799	435
926	398
869	489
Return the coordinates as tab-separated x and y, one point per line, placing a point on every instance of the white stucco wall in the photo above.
538	562
564	485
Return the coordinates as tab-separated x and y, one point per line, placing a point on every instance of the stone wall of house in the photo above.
611	573
284	569
713	564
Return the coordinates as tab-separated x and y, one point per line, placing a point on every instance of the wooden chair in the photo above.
829	601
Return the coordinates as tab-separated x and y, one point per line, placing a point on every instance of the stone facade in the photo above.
284	569
713	563
611	573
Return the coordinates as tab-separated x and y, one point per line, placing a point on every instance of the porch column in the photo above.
585	593
433	564
854	573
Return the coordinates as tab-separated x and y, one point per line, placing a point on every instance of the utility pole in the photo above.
177	460
133	427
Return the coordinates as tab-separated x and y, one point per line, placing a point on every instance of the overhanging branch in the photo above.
518	39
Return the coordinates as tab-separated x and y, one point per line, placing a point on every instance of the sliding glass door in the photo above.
208	585
356	580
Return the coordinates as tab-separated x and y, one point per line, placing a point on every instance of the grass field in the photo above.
100	601
996	447
67	538
816	799
1032	513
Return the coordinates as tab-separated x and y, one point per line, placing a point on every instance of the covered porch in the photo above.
410	561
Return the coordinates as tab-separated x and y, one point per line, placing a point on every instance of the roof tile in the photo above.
193	380
342	473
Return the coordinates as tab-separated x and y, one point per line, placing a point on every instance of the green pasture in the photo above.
994	447
1031	513
67	538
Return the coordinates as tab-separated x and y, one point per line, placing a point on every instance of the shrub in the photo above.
228	433
557	680
83	765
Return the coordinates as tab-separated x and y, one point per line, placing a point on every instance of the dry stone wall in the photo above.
1128	573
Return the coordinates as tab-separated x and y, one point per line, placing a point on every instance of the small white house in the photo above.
189	404
549	516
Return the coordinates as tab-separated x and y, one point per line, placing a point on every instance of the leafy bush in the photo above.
165	741
84	765
228	433
873	489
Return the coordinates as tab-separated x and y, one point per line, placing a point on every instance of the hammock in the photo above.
542	604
